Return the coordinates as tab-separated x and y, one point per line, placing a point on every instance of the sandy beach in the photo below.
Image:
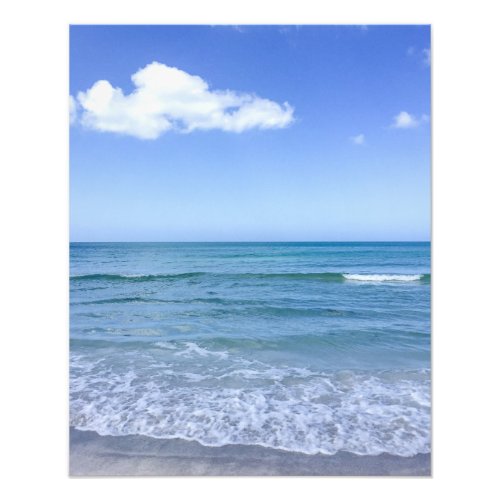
95	455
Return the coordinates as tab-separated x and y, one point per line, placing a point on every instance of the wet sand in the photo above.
95	455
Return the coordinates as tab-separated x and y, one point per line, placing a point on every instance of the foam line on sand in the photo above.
95	455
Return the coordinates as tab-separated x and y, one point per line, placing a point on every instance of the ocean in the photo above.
306	347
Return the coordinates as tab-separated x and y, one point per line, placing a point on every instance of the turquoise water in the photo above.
311	347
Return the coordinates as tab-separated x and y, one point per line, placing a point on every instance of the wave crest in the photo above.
385	277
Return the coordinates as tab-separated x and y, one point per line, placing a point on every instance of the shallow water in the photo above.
311	347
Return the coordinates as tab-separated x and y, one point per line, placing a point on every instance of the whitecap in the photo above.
383	277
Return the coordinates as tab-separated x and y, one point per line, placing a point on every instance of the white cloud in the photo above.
358	139
427	56
406	120
167	98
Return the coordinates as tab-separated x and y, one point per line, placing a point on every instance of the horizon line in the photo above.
258	241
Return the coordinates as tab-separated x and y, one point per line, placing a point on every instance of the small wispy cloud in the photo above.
424	55
427	56
358	139
169	99
406	120
289	31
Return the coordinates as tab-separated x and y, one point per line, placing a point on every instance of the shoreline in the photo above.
93	455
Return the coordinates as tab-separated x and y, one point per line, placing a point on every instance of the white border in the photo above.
34	203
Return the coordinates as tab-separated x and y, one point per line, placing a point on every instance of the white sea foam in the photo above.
383	277
286	408
166	345
264	372
193	349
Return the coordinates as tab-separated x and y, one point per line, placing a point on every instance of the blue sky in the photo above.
261	133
